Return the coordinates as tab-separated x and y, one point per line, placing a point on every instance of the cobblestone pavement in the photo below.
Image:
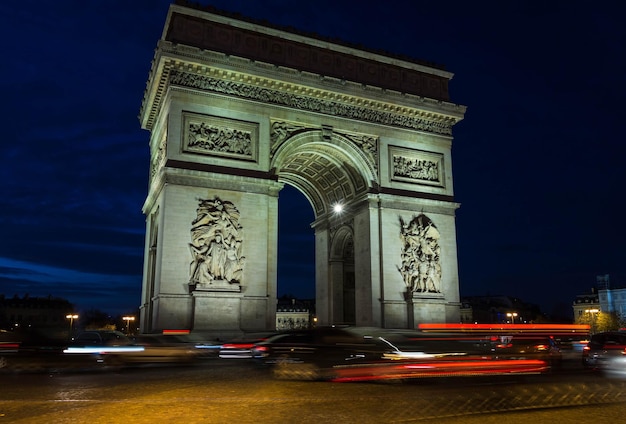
220	391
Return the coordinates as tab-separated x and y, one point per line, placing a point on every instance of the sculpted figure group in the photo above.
421	267
216	244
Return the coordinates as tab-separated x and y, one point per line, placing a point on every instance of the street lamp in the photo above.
128	320
593	312
512	315
71	317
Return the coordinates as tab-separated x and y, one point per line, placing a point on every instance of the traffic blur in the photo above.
606	352
113	348
241	347
356	353
345	353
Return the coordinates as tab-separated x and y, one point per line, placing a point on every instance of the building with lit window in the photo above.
294	314
586	303
603	298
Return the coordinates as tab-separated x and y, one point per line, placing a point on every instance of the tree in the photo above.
602	321
95	319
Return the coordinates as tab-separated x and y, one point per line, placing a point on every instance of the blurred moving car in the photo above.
160	348
530	346
9	347
99	341
241	347
115	348
572	347
104	346
313	354
606	352
357	354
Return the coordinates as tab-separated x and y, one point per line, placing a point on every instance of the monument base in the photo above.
217	285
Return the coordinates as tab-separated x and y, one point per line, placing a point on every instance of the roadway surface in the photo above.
237	391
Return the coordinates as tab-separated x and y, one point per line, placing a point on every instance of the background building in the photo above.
604	309
35	315
604	297
586	304
292	313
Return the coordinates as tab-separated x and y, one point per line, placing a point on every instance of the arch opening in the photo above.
296	245
326	175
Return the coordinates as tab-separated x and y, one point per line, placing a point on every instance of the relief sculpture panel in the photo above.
415	166
216	247
421	255
219	136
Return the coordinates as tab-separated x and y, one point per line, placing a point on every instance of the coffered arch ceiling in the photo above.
324	172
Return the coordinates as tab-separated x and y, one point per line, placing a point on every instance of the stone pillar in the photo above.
335	283
323	293
367	265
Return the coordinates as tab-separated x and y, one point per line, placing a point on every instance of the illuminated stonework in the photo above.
312	102
421	255
417	167
218	136
216	247
238	110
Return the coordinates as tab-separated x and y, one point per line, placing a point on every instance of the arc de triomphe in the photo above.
237	109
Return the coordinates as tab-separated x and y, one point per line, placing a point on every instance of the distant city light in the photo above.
71	317
512	315
128	320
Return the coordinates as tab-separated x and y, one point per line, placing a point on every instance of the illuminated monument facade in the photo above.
236	110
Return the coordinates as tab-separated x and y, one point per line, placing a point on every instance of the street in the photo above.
237	391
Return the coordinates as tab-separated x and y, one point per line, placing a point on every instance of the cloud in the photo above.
84	289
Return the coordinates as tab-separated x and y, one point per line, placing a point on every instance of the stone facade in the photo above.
236	110
295	314
585	303
603	298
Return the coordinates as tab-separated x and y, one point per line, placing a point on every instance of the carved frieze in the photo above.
421	256
416	166
216	247
311	103
216	136
283	130
368	145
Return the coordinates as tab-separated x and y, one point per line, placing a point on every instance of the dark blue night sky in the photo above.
537	161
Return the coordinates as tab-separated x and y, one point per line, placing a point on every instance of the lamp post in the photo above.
512	315
128	320
71	317
593	313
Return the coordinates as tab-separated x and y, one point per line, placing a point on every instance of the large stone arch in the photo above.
328	169
238	109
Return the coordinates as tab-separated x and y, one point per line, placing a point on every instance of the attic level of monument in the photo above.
306	54
233	16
